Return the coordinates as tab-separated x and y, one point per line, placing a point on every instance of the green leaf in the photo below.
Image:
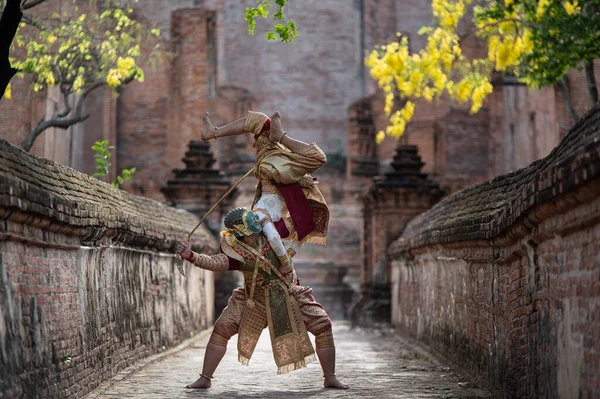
271	36
263	10
120	180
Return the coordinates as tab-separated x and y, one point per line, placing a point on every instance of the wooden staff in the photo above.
178	259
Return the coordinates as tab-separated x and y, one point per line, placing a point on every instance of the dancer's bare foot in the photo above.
200	383
208	130
276	127
331	381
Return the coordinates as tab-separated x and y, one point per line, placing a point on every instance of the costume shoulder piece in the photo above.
230	247
228	243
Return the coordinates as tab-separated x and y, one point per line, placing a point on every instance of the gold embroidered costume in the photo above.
271	297
277	164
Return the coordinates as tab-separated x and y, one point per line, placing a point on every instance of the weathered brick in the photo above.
70	286
541	311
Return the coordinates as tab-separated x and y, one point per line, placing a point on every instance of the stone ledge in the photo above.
496	210
41	193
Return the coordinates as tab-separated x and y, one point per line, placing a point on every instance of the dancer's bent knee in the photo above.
325	340
218	339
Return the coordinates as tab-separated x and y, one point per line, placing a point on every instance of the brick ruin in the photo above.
322	88
87	280
388	204
503	277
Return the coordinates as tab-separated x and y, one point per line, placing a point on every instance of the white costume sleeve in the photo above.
273	238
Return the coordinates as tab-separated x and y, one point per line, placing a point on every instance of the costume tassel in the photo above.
296	365
244	360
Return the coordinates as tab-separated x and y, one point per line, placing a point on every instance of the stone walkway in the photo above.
376	364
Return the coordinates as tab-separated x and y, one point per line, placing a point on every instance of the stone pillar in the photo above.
195	189
193	76
388	204
362	150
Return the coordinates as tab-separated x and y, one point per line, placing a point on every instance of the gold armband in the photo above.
290	252
214	263
285	259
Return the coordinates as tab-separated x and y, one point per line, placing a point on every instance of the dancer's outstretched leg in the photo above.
209	131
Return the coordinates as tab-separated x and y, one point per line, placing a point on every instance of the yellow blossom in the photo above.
113	78
379	137
527	42
49	76
389	102
541	7
428	94
464	89
78	83
125	65
479	94
408	111
7	92
572	8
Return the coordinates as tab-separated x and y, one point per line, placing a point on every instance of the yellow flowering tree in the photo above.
538	41
78	52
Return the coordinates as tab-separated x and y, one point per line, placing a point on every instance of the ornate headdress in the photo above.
242	222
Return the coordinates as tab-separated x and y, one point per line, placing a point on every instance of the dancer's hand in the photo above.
185	250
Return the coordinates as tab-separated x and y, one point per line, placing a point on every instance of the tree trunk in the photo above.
9	23
562	86
60	122
56	122
591	82
28	142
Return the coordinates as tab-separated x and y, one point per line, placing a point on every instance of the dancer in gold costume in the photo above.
271	297
287	200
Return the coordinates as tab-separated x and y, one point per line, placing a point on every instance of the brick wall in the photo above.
311	83
86	272
504	277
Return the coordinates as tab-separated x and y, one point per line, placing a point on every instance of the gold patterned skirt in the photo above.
290	354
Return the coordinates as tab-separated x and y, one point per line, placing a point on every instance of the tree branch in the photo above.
32	3
591	82
562	86
28	19
9	23
65	95
59	122
516	20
